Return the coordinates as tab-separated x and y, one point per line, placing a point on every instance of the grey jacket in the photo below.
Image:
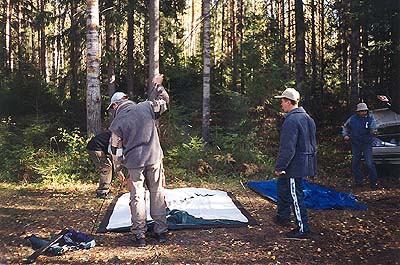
135	125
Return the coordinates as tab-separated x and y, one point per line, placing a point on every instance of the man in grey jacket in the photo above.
296	159
134	135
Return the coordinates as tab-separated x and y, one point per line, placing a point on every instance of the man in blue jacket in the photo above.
360	129
296	159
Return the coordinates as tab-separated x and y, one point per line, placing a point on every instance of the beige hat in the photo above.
290	93
361	107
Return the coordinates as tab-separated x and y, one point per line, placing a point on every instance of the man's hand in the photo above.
121	176
158	79
346	138
278	173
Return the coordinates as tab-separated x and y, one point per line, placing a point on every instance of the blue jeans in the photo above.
358	151
290	195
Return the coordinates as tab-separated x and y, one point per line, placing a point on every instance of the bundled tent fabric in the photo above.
186	208
316	197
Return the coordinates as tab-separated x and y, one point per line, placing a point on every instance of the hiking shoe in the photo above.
282	222
297	235
105	196
161	238
140	242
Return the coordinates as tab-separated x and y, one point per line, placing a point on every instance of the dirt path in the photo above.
339	237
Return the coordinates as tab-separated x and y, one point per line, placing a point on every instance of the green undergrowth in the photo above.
40	152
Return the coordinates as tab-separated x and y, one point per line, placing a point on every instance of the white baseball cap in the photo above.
116	98
290	93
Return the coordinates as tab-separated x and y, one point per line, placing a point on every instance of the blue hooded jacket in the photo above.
297	147
360	129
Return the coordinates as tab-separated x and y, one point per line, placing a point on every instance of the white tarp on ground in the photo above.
198	202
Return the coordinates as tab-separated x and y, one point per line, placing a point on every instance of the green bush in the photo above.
69	163
30	155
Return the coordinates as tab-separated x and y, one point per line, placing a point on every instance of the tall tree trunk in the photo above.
93	97
154	43
364	76
130	47
4	23
313	52
289	34
300	51
42	54
74	52
222	67
344	40
192	40
240	55
206	71
33	60
110	47
118	29
234	54
9	46
354	56
19	35
60	56
322	50
282	31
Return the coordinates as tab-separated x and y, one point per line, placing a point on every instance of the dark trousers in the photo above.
290	195
358	151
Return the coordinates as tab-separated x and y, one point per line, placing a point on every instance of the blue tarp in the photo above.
316	197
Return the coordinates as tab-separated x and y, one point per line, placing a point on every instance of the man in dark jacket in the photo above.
296	159
97	148
360	129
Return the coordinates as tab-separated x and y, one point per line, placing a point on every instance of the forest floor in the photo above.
339	236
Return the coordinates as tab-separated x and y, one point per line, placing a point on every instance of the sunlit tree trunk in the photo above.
154	42
282	30
240	55
234	55
130	47
206	71
42	54
19	35
222	65
60	53
192	39
110	47
93	98
74	52
4	32
289	34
